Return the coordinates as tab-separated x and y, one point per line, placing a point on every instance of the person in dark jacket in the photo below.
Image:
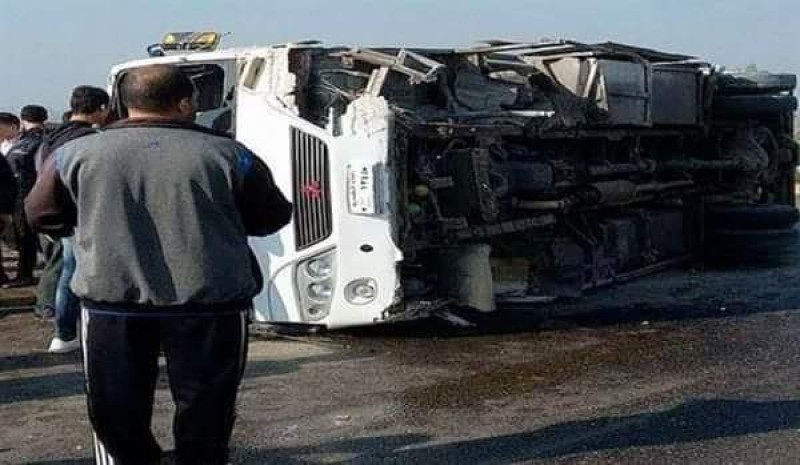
8	191
9	131
162	209
88	110
21	158
8	200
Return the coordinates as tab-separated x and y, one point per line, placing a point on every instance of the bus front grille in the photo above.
311	191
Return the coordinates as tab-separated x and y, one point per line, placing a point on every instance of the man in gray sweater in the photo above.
161	209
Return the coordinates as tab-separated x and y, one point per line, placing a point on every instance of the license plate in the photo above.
361	189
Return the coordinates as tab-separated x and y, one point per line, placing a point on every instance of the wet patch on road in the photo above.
549	363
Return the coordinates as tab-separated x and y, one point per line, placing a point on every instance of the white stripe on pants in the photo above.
101	456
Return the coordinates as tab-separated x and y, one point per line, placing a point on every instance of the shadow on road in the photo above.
262	368
38	360
41	387
55	385
690	422
65	462
694	421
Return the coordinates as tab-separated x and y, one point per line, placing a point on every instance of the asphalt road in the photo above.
699	365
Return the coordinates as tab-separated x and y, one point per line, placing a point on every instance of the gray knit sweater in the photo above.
161	211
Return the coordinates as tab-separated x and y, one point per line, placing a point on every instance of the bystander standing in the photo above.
8	198
88	111
162	209
9	131
21	158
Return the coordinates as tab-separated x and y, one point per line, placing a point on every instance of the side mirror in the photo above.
155	50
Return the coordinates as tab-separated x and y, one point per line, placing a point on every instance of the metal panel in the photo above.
311	189
677	96
627	92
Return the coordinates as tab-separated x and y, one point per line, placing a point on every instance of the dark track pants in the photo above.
205	357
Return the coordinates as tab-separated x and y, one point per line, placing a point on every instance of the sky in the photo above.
50	46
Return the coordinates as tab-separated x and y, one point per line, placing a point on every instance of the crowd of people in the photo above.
143	223
26	144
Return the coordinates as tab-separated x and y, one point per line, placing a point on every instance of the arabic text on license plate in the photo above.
361	189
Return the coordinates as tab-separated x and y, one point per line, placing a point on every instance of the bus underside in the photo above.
527	172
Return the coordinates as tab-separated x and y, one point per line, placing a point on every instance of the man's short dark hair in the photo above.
86	100
9	119
33	114
155	88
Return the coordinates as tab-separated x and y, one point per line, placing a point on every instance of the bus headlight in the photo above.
318	268
315	281
361	291
321	291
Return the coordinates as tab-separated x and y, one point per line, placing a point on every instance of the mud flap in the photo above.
466	276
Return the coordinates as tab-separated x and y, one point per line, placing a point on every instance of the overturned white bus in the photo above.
506	173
